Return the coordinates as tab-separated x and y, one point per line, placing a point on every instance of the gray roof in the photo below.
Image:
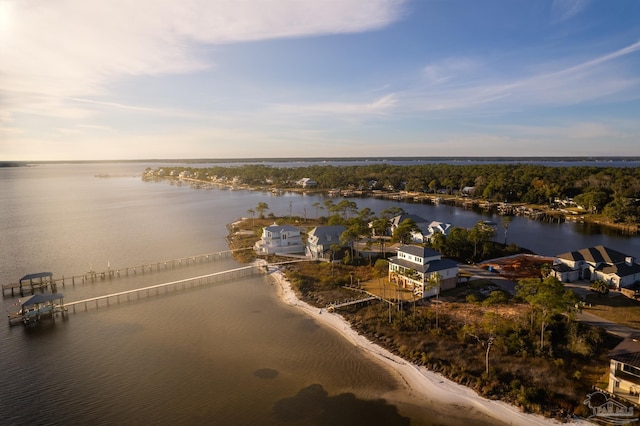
628	351
423	252
621	269
433	266
597	254
36	275
280	228
41	298
327	234
397	220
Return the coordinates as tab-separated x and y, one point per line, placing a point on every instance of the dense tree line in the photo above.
611	191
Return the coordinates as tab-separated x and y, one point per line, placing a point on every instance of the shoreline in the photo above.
420	382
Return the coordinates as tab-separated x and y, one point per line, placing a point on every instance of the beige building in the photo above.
414	267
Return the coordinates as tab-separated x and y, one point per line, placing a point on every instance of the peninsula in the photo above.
477	335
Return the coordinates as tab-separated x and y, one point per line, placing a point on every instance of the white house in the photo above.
426	228
279	239
597	263
414	266
624	369
321	238
307	183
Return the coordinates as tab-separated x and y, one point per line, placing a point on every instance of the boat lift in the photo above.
37	307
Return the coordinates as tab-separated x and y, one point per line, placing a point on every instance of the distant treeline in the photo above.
611	191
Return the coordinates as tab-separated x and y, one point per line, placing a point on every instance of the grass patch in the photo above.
614	307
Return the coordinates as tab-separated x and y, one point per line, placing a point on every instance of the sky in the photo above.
181	79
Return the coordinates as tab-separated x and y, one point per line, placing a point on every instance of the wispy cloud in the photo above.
77	48
562	10
450	70
600	78
376	107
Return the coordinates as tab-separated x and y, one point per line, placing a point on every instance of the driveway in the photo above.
477	273
581	288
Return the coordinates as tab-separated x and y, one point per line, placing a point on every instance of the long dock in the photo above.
165	288
23	288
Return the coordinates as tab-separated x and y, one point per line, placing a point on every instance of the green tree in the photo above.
380	227
392	211
480	233
317	206
593	201
548	297
433	185
506	221
402	233
433	281
252	212
346	208
600	286
261	208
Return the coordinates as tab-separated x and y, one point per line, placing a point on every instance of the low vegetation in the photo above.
524	350
614	307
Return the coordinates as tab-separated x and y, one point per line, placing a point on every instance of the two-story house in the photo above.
279	239
321	239
415	268
597	263
426	228
624	370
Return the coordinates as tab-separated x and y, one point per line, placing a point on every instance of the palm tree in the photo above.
505	224
318	206
434	281
252	212
261	207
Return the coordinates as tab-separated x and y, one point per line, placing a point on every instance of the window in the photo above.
631	370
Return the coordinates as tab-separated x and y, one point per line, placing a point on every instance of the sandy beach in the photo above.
420	383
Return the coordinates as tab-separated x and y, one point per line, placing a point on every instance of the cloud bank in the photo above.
55	49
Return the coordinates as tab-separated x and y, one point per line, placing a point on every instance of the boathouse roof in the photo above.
36	275
41	298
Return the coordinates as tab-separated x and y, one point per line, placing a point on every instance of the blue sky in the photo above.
88	79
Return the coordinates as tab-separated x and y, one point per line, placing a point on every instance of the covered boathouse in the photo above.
37	307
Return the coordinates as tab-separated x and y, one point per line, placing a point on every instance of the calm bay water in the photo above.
226	354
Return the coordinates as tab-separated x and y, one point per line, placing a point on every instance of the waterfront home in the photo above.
279	239
617	269
321	239
307	183
426	228
415	267
624	369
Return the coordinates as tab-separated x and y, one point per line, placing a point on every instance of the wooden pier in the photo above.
28	285
165	288
352	302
